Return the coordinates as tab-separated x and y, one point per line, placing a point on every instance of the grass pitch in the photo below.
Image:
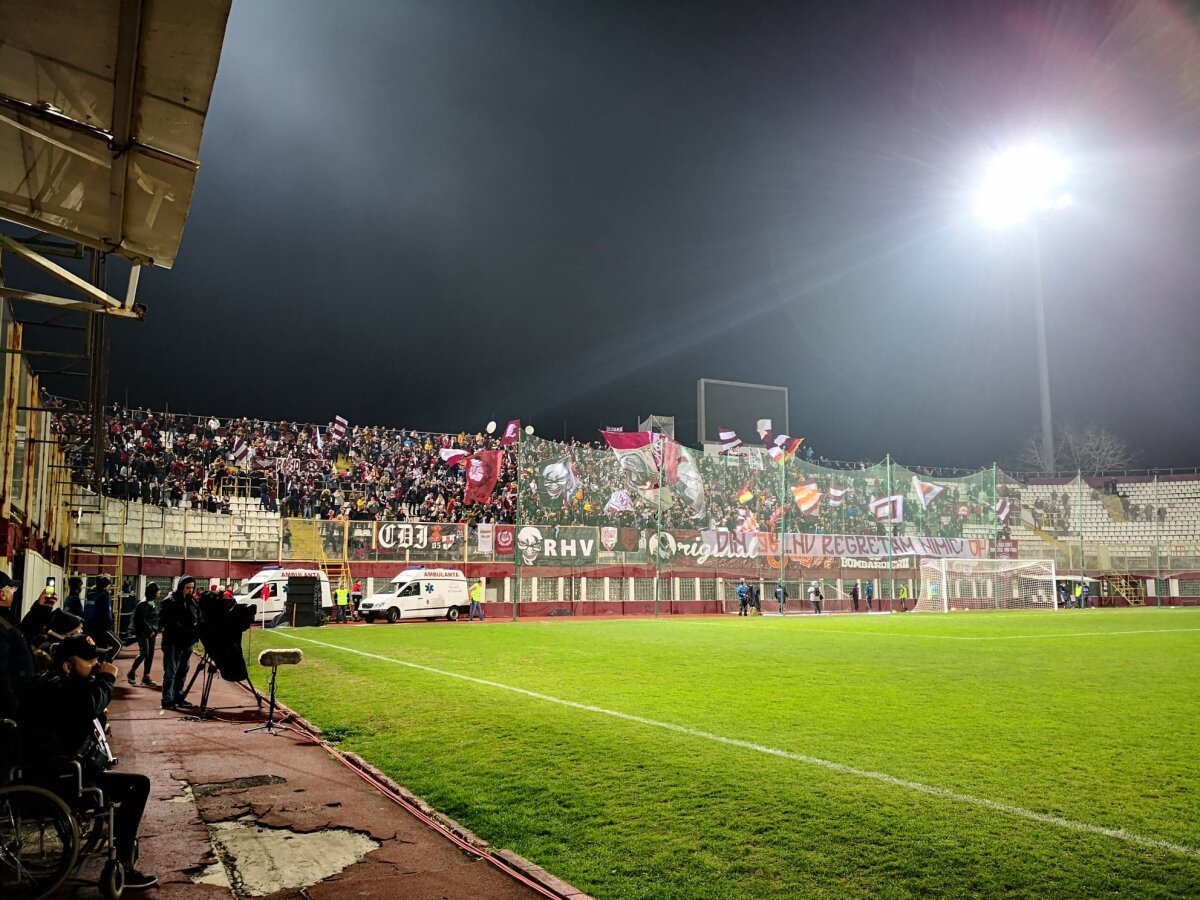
981	754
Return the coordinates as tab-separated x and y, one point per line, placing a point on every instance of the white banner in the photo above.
751	545
485	537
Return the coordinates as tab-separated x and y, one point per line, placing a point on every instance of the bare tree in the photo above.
1090	449
1093	449
1033	455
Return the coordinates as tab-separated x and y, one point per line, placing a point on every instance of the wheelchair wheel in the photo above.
39	842
112	880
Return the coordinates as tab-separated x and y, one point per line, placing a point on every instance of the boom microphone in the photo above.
271	658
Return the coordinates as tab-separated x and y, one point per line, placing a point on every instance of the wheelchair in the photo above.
51	824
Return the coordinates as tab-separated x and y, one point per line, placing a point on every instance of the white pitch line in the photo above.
960	637
882	777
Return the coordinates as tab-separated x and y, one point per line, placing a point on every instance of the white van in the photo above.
420	593
275	578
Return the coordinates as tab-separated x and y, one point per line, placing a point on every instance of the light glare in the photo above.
1020	182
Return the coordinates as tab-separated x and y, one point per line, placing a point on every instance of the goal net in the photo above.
948	584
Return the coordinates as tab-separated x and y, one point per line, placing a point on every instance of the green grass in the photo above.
1090	725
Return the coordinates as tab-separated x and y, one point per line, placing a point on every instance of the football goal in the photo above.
949	584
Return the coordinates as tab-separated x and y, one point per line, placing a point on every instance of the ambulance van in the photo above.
420	593
266	590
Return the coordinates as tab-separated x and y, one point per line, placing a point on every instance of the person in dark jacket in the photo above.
98	613
60	719
36	622
16	657
179	624
73	602
145	629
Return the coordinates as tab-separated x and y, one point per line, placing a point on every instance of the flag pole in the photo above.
783	516
516	529
891	532
662	465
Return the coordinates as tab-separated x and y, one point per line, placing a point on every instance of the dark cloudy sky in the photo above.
432	214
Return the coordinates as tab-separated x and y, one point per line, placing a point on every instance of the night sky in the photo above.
432	214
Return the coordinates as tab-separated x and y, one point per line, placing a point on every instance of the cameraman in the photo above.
59	719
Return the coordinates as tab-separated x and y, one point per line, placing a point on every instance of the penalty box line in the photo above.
881	777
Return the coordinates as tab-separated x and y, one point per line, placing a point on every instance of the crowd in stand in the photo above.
171	459
370	473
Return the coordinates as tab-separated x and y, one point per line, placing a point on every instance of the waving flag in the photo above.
338	429
240	451
483	471
557	483
780	446
926	491
729	440
888	509
1003	510
452	457
836	496
639	459
745	495
619	502
807	497
512	433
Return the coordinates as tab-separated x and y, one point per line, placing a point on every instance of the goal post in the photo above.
954	584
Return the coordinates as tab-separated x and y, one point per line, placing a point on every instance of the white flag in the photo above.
729	440
926	491
888	509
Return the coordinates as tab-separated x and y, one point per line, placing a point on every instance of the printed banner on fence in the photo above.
733	544
552	546
400	536
485	537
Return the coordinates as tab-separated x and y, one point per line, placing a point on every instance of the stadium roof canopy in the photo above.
102	105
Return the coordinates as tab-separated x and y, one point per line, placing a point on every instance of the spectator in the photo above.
179	619
145	629
58	720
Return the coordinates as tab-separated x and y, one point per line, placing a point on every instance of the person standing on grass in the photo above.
904	598
476	594
356	599
814	596
1079	595
1084	593
341	599
870	591
781	595
854	596
743	595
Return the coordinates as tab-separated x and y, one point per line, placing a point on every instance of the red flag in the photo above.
512	433
483	471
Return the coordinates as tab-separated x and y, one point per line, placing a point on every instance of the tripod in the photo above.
269	726
210	670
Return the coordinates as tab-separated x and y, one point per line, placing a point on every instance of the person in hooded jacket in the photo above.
73	602
179	623
98	614
145	629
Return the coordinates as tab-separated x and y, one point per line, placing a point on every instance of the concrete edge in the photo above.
527	868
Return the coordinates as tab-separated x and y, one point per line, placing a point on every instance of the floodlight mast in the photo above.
1018	184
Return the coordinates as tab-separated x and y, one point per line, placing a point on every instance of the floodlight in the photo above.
529	429
1019	182
491	427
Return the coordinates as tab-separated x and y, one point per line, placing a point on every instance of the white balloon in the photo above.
491	427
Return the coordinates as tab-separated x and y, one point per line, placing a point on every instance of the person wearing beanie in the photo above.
179	624
73	602
145	629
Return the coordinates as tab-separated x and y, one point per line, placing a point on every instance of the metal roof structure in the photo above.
102	106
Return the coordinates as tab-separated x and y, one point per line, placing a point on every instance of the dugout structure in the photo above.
962	584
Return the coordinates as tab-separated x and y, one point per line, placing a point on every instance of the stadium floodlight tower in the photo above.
1018	184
